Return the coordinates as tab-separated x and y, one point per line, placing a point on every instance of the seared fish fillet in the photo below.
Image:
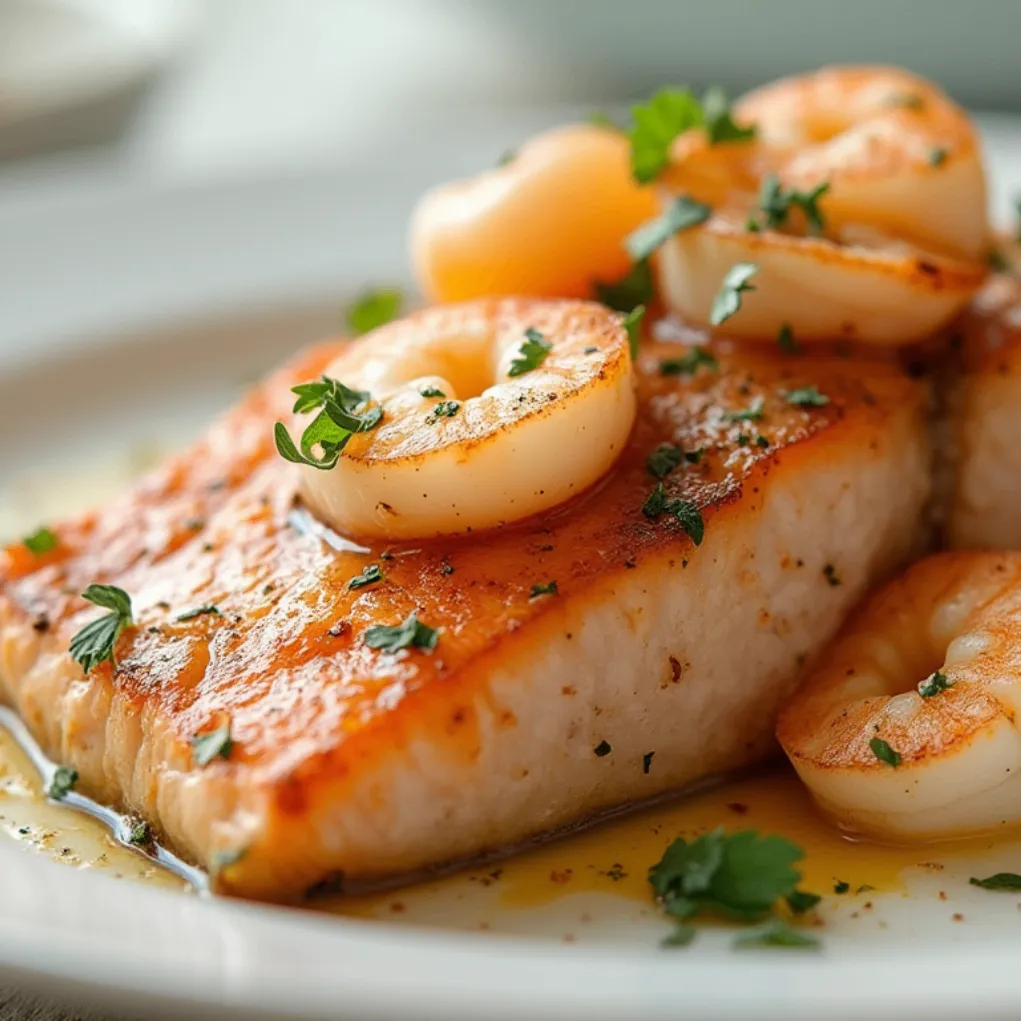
983	423
655	665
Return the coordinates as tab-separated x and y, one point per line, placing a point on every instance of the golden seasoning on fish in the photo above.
983	422
284	705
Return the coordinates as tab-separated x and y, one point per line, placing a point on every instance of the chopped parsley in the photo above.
374	307
199	611
735	283
683	212
694	456
409	634
431	391
632	324
686	512
206	747
807	397
934	684
635	288
776	203
445	409
342	413
663	460
776	933
761	441
1009	881
545	588
937	156
532	353
647	762
786	342
743	876
40	541
139	834
603	749
61	783
884	752
753	413
688	364
841	887
369	575
95	642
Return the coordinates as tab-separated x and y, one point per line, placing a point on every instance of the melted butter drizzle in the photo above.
118	824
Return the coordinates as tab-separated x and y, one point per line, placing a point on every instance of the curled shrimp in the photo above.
889	171
472	416
909	728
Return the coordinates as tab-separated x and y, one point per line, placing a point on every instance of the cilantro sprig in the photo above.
342	413
533	352
688	364
728	299
687	513
776	204
374	307
633	289
411	633
96	641
681	214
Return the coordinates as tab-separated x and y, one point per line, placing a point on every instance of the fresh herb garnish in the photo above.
603	749
374	307
753	413
841	887
786	342
409	634
807	397
776	203
717	120
62	783
735	283
742	876
369	576
634	288
532	353
800	901
683	212
884	752
776	933
95	642
937	156
632	324
694	456
934	684
40	541
688	364
445	409
206	747
545	588
761	441
663	460
432	391
199	611
139	834
1009	881
343	413
686	512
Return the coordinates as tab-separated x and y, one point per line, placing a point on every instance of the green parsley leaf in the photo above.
343	413
546	588
807	397
776	933
694	456
632	323
139	834
728	300
753	413
61	783
370	574
635	288
445	409
761	441
786	342
934	684
532	353
719	125
663	460
95	642
206	747
688	364
884	752
432	391
775	205
602	749
374	307
800	901
683	212
40	541
655	502
669	113
1009	881
937	156
409	634
841	887
199	611
686	512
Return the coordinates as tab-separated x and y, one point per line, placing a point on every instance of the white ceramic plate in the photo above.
131	317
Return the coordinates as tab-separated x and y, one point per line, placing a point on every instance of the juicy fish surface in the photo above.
654	664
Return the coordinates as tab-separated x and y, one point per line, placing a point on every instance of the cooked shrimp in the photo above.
903	233
491	411
909	727
546	224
